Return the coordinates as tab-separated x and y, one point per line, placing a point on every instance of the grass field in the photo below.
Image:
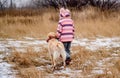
89	23
85	63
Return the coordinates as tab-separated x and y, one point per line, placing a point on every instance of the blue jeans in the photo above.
67	46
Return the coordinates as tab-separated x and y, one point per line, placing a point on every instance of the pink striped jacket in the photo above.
65	30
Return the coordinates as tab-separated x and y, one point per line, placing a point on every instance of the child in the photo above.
65	31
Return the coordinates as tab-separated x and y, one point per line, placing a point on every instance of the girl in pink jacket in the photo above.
65	31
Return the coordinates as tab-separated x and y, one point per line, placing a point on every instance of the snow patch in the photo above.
98	71
98	43
5	70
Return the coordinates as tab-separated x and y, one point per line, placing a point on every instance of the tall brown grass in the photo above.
88	23
21	12
26	62
28	59
92	22
86	61
31	72
117	64
112	72
82	59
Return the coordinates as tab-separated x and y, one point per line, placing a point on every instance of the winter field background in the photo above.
95	51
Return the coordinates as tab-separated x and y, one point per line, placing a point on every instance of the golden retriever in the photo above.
56	50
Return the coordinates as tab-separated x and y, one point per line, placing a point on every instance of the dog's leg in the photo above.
64	64
51	58
64	58
54	59
52	63
50	54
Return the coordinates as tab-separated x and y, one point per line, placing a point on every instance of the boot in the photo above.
68	60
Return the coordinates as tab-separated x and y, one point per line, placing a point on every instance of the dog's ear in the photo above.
56	36
48	37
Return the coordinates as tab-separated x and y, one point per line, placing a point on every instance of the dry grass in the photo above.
31	72
111	72
21	12
26	63
82	59
86	60
117	65
92	23
1	52
28	59
88	23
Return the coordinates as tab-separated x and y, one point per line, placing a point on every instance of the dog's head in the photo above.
51	35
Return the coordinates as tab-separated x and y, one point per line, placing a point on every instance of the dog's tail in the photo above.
59	45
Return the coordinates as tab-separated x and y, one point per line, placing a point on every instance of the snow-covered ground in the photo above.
98	43
9	45
5	69
6	45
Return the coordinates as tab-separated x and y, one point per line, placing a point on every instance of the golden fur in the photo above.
56	50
